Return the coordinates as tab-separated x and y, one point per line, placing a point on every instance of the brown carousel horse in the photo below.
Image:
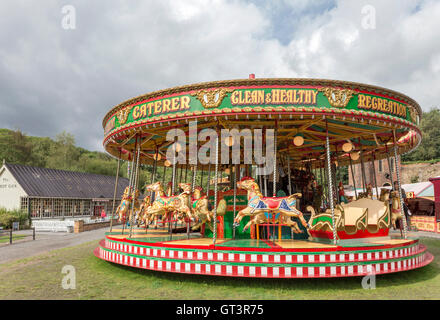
268	209
200	210
368	193
396	212
168	206
142	213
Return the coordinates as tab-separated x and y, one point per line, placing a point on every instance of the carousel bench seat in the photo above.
376	211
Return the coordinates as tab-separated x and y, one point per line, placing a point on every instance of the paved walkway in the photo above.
44	242
418	234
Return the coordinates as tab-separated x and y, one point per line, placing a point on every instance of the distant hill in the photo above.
61	153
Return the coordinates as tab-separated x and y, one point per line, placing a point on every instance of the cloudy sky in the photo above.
54	79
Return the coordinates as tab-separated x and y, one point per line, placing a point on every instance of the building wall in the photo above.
381	168
10	191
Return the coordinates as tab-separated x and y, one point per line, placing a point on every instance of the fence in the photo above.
66	225
9	233
53	226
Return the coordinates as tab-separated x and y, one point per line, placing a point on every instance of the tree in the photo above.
429	149
63	153
15	147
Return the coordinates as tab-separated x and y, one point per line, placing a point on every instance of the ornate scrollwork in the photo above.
338	98
211	98
123	115
412	113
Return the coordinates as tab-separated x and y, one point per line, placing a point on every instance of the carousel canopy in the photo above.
362	121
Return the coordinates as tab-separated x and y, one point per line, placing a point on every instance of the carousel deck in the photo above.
154	250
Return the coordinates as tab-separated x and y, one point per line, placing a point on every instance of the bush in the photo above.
9	216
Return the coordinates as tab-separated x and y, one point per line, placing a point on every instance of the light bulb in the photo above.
347	147
298	141
354	156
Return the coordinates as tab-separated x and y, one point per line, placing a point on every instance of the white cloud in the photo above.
53	80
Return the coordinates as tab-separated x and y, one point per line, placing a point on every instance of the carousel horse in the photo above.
200	210
168	206
396	213
125	205
368	193
136	206
384	194
141	214
268	209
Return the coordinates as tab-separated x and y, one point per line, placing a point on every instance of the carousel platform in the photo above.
153	250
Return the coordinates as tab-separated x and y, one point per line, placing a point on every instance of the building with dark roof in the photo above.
51	193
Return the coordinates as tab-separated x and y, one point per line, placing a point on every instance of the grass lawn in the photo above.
40	278
5	239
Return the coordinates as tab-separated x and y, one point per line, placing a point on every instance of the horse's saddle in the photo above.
274	203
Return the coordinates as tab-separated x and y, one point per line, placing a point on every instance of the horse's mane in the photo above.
256	189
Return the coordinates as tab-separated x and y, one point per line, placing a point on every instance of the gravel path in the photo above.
44	242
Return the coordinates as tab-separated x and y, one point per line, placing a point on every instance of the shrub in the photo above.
9	216
414	179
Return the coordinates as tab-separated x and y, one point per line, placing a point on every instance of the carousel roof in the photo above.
369	118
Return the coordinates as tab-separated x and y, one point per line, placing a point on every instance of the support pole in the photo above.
274	194
215	189
164	173
289	175
201	177
390	167
193	185
327	144
135	173
364	182
373	159
116	188
265	185
405	226
130	183
209	178
352	177
235	199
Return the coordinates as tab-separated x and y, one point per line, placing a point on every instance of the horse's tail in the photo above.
221	207
295	196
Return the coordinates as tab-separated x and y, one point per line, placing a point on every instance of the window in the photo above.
380	166
68	208
58	207
36	206
86	209
24	203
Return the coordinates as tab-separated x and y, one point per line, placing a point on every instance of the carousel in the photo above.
245	179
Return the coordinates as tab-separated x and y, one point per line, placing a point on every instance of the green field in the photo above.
40	278
5	239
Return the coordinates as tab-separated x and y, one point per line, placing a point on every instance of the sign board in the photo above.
15	226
